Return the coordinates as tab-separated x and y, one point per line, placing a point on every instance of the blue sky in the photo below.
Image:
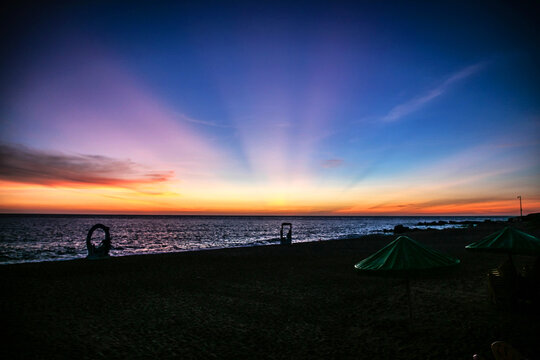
303	107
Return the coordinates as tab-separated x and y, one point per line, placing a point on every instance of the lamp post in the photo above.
520	208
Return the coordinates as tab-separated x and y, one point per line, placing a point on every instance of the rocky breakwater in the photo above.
439	225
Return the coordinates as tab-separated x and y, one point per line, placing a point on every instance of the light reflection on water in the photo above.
44	238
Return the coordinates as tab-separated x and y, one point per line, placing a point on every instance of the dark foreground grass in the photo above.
304	301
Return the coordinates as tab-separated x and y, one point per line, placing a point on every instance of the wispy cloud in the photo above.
416	103
202	122
497	205
25	165
332	163
283	124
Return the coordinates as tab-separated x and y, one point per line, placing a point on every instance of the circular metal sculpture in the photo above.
101	251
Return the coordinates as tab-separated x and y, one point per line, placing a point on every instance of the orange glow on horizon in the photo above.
24	198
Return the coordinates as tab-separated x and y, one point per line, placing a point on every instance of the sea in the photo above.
35	238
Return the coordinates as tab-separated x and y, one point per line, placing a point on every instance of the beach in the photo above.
276	302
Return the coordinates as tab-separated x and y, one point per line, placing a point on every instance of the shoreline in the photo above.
273	301
383	235
439	225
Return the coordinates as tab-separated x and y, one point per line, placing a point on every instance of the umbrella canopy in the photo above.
403	256
509	240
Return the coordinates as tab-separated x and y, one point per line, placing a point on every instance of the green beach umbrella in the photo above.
405	257
508	240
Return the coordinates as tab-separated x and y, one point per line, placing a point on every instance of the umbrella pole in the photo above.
510	259
409	298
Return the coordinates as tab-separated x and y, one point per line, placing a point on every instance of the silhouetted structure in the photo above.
101	251
286	240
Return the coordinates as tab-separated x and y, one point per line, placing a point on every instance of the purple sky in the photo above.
270	107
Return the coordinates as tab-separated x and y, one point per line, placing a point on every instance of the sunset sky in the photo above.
321	108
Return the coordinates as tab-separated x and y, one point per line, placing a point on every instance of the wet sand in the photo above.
301	301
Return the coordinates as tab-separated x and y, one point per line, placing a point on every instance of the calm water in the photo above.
44	238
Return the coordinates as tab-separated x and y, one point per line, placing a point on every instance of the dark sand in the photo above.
304	302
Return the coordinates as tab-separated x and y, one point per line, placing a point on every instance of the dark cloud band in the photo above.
26	165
